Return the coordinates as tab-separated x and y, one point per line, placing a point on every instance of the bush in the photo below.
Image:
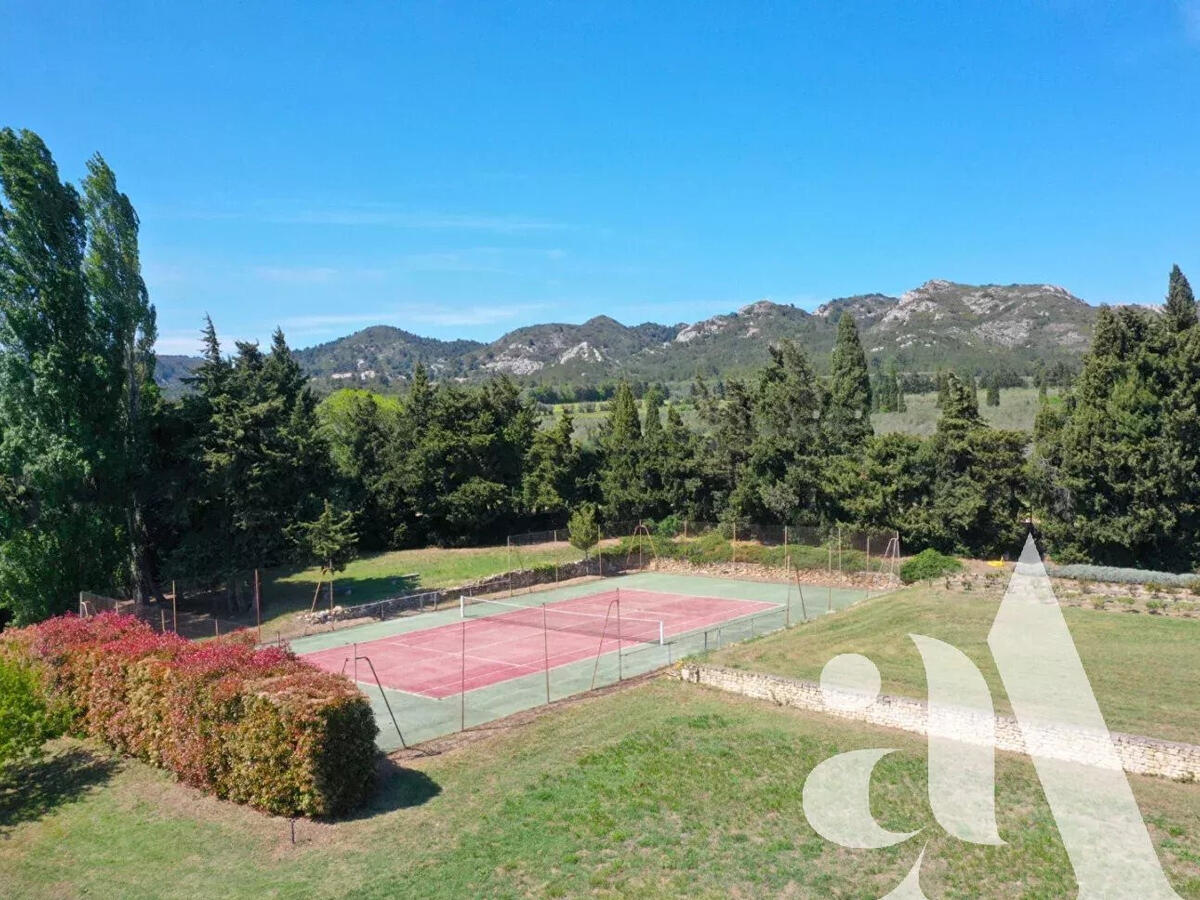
257	726
26	721
927	565
668	527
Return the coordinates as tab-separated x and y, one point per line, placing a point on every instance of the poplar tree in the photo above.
57	530
125	331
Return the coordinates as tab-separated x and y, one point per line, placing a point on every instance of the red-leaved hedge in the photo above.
257	726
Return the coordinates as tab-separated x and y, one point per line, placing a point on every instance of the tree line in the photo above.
107	485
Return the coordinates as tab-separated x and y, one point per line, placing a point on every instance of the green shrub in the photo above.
927	565
26	720
1156	606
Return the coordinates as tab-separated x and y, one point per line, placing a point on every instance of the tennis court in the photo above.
497	641
440	671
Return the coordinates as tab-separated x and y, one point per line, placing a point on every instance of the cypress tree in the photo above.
993	391
1181	304
849	414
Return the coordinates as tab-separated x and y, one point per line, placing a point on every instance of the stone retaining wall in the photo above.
1142	755
759	572
516	580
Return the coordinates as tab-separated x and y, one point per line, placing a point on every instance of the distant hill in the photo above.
940	323
169	372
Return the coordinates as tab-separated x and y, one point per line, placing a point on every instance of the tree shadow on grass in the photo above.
35	788
397	788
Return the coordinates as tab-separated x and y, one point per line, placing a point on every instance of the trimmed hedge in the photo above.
256	726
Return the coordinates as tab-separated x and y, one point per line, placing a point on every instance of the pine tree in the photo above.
551	468
960	410
1181	304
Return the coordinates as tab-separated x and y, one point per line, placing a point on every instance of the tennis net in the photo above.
609	625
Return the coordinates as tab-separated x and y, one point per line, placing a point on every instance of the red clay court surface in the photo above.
512	644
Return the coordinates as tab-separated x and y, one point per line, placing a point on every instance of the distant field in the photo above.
1017	409
660	790
1142	667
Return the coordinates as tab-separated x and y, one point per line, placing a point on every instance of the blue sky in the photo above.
461	169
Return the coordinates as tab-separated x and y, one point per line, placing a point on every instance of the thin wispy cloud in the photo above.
1190	11
178	343
296	274
472	315
410	315
383	216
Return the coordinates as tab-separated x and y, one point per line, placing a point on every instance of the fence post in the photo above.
546	650
787	555
258	604
733	543
174	610
462	684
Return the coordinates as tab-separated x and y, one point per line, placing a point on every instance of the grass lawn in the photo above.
288	591
662	789
1143	668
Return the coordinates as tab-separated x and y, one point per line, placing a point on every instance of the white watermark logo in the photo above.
1060	723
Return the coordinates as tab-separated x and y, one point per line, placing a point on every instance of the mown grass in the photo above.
662	790
1142	668
379	576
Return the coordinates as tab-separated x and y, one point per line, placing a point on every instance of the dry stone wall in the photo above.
1142	755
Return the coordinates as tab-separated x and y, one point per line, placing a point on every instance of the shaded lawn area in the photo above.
660	790
287	591
1143	668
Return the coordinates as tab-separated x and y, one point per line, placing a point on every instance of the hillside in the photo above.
940	323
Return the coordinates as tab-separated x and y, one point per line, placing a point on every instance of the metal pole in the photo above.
546	649
174	613
462	684
355	648
258	604
163	617
620	673
829	608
